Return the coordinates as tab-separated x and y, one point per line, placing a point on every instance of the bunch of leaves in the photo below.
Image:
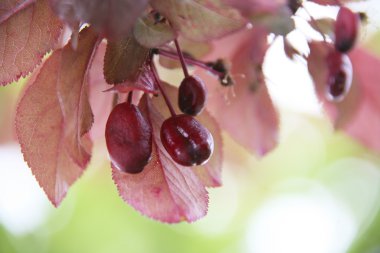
110	44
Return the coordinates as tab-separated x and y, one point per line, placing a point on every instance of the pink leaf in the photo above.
27	32
111	18
245	110
358	113
164	190
200	20
247	7
274	15
331	2
49	135
365	124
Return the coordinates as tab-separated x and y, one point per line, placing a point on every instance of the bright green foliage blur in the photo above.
94	219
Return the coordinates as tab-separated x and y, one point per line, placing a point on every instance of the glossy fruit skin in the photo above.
339	78
186	140
129	138
346	30
192	95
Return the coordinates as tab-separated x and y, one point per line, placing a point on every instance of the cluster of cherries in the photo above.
339	65
129	135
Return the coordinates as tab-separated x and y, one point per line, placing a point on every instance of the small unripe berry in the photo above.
191	95
346	29
186	140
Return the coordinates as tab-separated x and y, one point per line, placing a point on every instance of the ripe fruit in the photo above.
186	140
128	138
339	76
294	5
346	29
192	95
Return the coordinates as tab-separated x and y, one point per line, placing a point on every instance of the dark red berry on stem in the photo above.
186	140
346	29
339	76
128	138
192	95
294	5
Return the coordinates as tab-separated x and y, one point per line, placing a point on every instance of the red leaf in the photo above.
164	190
245	111
111	18
200	20
123	60
358	114
27	32
51	119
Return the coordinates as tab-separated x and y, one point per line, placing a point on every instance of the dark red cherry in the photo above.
294	5
346	29
128	138
186	140
339	76
192	95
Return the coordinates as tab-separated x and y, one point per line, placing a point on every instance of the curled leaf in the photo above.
199	20
150	33
124	60
73	96
52	120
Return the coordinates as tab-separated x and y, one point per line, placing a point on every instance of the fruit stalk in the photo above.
189	60
181	58
158	82
130	96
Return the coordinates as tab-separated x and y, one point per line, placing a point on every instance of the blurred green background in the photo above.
318	191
